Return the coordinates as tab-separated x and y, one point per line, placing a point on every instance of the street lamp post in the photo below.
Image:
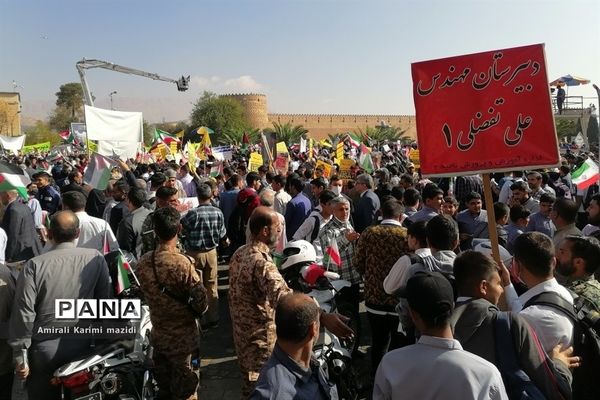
111	94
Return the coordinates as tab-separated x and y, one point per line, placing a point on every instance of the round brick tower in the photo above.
255	108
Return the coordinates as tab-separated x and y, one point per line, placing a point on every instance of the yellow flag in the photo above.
179	134
339	151
173	147
191	156
281	148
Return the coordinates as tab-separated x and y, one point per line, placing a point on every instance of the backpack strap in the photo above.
163	288
505	351
555	301
316	228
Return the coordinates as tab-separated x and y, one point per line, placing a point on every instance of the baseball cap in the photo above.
429	293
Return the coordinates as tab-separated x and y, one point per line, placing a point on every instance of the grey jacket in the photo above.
473	323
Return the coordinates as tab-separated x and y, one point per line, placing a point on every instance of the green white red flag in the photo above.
122	282
586	175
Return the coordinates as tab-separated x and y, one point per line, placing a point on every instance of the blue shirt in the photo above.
425	214
49	199
227	202
540	223
296	212
282	378
513	232
476	226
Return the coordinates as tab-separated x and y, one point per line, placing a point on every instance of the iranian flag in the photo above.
586	175
164	137
353	140
97	173
334	253
122	282
13	178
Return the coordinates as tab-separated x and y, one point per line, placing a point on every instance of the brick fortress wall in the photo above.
318	125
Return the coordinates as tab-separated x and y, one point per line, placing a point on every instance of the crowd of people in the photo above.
412	249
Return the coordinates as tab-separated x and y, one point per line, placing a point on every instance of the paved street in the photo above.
220	373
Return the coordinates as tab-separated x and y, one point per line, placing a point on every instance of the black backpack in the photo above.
518	384
586	341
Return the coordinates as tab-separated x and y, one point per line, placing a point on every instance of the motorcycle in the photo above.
334	355
121	370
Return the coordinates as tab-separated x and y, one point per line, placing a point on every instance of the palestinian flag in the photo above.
334	253
586	175
123	268
97	172
353	140
13	178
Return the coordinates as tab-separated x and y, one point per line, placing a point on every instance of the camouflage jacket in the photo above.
174	326
149	239
255	287
587	288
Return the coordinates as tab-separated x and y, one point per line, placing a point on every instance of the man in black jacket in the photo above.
368	204
23	242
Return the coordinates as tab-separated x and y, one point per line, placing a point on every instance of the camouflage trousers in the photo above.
176	378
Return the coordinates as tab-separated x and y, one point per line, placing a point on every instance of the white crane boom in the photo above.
182	83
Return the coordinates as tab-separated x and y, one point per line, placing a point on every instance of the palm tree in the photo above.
334	138
380	134
235	137
288	133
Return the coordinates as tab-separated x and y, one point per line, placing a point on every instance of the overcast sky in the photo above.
343	57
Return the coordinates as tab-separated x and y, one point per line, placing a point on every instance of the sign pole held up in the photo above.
491	217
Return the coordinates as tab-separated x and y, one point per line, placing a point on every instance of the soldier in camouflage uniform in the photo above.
255	287
165	197
174	310
578	259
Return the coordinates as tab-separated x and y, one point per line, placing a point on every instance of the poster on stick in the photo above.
484	112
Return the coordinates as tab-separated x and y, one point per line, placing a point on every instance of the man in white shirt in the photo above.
436	367
281	196
92	231
187	181
417	244
309	230
534	264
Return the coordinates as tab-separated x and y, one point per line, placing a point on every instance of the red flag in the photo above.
245	139
334	253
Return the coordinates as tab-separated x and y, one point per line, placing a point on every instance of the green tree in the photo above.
334	138
41	133
148	133
380	134
70	96
223	115
60	119
235	137
566	128
288	133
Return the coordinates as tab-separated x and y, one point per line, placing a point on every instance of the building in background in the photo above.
10	114
319	125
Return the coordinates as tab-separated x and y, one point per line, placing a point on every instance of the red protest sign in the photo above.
484	112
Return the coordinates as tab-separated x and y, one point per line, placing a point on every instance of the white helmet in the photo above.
298	252
485	247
